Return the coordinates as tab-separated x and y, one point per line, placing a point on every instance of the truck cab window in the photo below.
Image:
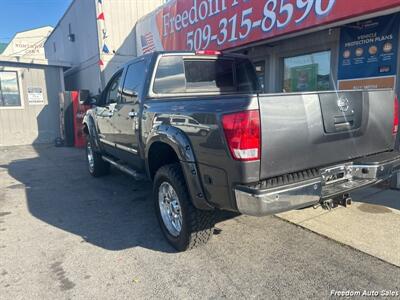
170	76
112	90
210	75
134	81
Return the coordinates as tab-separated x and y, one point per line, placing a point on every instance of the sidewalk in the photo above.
370	225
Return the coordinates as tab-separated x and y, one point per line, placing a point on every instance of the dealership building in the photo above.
303	45
296	45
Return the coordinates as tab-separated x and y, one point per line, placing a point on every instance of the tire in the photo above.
196	225
96	165
203	132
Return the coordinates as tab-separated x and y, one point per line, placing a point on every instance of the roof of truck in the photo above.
191	53
210	53
201	53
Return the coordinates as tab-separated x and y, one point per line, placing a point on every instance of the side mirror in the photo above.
130	96
90	100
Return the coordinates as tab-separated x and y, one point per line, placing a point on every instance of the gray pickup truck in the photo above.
196	125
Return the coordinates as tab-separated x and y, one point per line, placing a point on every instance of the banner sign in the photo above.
223	24
368	50
374	83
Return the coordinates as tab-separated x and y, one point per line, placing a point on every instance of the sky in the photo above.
21	15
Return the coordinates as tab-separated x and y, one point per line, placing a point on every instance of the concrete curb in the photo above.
365	226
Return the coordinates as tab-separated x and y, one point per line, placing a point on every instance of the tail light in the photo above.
242	132
396	116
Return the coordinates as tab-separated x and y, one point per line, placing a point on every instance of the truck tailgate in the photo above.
310	130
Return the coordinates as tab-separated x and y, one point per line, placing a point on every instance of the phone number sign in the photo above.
223	24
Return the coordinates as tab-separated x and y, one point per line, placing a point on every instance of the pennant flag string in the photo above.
105	36
101	17
105	49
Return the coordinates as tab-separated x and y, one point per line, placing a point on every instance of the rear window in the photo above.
210	75
162	119
179	120
176	75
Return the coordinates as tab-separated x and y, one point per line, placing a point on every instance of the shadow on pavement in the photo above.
114	212
381	195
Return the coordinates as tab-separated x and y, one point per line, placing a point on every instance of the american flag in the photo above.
147	43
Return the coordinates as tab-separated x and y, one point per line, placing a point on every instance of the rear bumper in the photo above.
353	175
257	202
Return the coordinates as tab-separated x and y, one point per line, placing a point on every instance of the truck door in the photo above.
126	118
106	110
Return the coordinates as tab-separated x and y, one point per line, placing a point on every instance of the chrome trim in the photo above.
170	208
119	146
330	191
381	171
328	174
104	141
124	168
257	202
90	156
122	147
271	201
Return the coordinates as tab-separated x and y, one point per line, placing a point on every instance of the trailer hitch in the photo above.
344	200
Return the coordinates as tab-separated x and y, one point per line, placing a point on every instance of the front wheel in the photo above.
184	226
96	165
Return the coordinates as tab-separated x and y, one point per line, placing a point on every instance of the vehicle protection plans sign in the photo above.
368	53
223	24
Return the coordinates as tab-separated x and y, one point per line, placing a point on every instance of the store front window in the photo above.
9	90
260	70
310	72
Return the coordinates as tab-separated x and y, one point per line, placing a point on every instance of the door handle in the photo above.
132	114
344	125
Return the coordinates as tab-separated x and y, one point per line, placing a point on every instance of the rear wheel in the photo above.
96	165
184	226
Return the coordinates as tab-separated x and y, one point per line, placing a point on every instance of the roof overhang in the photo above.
337	24
34	61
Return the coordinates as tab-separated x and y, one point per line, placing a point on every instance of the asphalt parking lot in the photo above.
66	235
